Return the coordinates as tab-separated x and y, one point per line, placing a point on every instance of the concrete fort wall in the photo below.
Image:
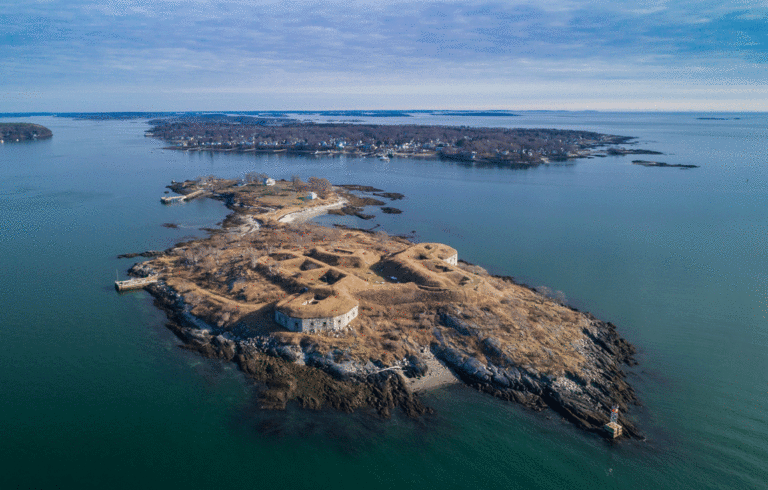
453	259
315	324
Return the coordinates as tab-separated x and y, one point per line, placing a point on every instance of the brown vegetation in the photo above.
235	279
498	336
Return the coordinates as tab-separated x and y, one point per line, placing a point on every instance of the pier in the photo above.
138	283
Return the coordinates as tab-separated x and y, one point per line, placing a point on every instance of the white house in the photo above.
268	181
311	195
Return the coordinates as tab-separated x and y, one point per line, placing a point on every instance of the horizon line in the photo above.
316	111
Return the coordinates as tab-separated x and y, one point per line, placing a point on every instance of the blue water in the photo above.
96	392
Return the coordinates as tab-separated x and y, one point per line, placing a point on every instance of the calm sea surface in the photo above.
95	392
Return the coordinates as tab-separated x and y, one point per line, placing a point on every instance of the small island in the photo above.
477	146
348	318
648	163
15	132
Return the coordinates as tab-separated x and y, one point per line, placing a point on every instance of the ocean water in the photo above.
96	392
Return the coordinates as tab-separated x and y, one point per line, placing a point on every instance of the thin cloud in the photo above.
167	44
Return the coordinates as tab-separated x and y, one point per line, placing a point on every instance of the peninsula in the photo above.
492	146
14	132
348	318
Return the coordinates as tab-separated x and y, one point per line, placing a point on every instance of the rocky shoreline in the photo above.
579	398
289	372
527	348
286	372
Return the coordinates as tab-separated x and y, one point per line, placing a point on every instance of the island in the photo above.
15	132
649	163
351	318
477	146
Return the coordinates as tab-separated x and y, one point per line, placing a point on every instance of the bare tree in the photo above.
298	184
322	186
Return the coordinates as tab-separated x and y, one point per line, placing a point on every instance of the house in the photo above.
268	181
311	196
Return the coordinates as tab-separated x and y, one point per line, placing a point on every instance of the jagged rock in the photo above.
225	347
141	269
148	253
291	353
461	326
493	347
584	399
416	367
475	369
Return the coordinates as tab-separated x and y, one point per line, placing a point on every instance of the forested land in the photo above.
10	132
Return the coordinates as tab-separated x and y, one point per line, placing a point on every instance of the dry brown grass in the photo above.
226	283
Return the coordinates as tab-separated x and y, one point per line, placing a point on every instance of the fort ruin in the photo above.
329	278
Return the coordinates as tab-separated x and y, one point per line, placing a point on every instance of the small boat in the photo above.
384	157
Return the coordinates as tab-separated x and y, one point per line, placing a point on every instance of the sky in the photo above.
177	55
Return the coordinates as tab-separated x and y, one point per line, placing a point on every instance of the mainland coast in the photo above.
476	146
351	319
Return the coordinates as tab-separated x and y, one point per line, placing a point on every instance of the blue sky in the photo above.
82	55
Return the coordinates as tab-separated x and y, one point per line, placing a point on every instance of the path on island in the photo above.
307	214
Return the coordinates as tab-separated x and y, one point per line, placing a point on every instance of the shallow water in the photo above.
96	392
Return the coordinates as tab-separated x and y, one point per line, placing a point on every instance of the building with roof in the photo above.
315	311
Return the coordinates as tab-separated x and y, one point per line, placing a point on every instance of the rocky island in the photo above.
649	163
490	146
349	318
14	132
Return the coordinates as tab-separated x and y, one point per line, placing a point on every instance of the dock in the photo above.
135	283
188	197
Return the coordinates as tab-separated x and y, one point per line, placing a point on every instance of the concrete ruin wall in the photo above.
315	324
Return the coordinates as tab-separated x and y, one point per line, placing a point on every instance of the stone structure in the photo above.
307	321
431	266
325	302
328	279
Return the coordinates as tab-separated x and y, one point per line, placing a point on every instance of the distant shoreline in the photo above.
17	132
503	147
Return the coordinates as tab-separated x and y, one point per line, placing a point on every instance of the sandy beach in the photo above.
307	214
438	375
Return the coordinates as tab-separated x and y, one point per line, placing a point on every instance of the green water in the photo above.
95	391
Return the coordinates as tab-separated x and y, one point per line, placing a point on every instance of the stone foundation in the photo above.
315	324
